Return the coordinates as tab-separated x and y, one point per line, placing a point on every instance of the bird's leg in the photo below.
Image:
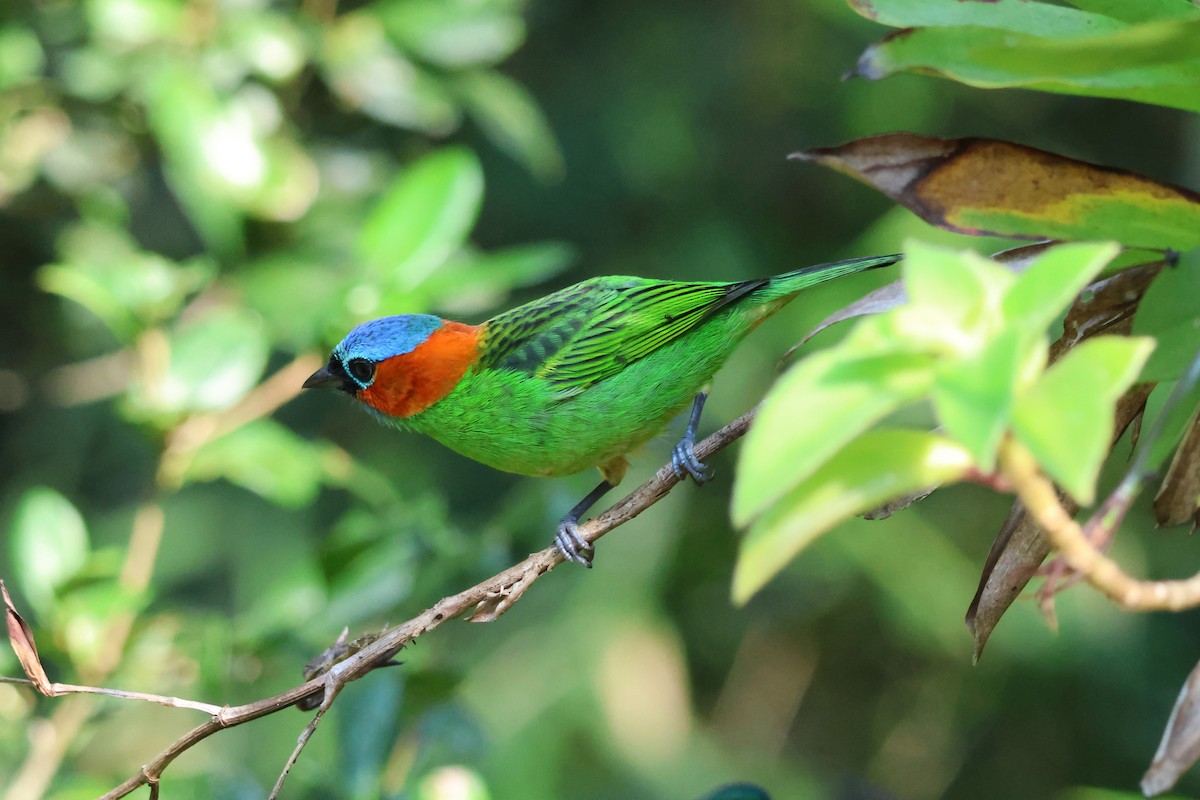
683	457
569	542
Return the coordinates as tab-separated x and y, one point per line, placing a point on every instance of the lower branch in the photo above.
1041	499
490	598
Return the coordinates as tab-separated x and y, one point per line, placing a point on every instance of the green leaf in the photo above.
1142	10
266	458
126	288
510	117
1175	423
21	55
454	33
367	73
953	296
872	469
1155	62
283	281
1053	281
214	160
812	412
473	282
1017	16
1171	314
424	218
973	396
213	361
49	544
1066	417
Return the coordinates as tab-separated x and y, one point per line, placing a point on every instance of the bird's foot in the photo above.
685	463
573	546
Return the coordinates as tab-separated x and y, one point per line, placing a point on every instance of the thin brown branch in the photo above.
306	734
62	689
491	598
152	352
1067	536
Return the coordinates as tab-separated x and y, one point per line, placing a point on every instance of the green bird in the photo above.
576	379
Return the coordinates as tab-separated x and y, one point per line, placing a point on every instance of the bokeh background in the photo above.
198	195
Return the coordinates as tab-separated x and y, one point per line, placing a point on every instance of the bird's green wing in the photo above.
592	330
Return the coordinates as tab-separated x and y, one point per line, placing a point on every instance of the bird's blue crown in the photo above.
381	339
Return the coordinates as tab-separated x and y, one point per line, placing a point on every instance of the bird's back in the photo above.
580	377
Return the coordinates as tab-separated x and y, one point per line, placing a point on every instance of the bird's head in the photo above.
399	365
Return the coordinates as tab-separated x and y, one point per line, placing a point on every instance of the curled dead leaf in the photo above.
1178	497
20	636
1180	745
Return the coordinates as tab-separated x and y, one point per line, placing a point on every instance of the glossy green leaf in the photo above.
1017	16
478	281
953	297
266	458
1154	62
1066	417
271	42
873	468
21	55
821	404
510	117
1185	401
1171	314
278	285
973	396
1052	282
368	74
49	544
454	33
213	156
135	22
213	361
424	218
128	289
1142	10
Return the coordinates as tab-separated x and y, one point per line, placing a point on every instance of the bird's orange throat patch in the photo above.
408	384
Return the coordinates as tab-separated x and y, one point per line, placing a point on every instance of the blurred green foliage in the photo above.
194	194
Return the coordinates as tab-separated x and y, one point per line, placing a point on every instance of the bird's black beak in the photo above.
323	378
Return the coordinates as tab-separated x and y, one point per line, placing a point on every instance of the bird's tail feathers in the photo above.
789	283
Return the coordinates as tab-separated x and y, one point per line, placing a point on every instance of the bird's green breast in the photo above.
518	423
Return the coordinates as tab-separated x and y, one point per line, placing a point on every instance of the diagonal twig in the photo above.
491	598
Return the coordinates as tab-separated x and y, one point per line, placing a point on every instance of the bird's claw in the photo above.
685	463
573	546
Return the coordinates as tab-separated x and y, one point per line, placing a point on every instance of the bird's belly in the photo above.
516	424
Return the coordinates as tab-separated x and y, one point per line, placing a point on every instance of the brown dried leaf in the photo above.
1177	498
1021	546
1015	556
20	636
1106	306
991	187
1180	745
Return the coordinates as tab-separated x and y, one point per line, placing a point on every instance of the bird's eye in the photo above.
361	370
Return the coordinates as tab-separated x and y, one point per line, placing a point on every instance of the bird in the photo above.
573	380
